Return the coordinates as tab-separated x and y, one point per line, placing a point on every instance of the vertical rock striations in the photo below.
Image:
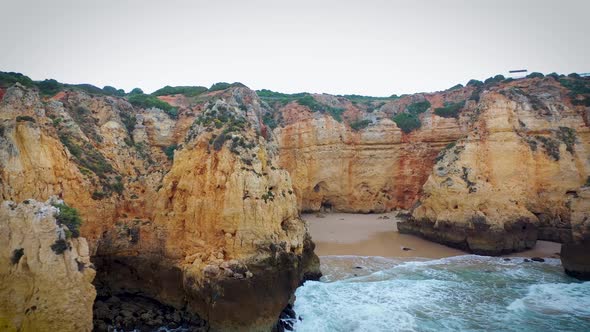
45	276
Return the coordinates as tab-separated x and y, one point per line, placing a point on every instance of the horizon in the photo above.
378	48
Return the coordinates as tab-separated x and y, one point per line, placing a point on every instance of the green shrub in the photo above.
49	87
59	246
587	182
360	124
87	156
109	90
169	151
69	216
16	255
551	146
418	107
407	122
455	87
23	118
189	91
136	91
568	137
450	110
219	86
494	80
117	187
269	121
8	79
535	75
310	102
474	83
148	101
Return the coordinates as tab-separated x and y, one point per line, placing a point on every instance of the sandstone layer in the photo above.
41	289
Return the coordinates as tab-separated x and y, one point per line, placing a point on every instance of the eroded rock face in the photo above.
372	169
194	214
40	289
510	182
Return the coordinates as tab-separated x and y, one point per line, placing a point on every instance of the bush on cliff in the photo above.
418	107
407	122
69	216
169	151
535	75
450	110
474	83
189	91
49	87
8	79
109	90
310	102
148	101
360	124
219	86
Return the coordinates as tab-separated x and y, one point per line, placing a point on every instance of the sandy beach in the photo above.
377	235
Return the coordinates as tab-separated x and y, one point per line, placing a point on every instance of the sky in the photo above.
368	47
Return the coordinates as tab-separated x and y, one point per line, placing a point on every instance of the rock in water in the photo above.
41	289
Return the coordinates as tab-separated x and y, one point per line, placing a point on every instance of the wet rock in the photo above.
526	260
507	259
537	259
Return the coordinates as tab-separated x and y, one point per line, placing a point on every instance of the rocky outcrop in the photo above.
45	277
189	209
511	180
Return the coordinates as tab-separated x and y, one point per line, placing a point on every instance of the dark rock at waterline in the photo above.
526	260
537	259
286	320
406	249
507	259
358	267
575	259
128	312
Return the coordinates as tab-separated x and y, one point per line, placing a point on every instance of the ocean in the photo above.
461	293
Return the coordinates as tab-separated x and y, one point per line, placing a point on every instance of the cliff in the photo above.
511	180
185	206
45	277
191	196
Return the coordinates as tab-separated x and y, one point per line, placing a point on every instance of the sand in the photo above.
377	235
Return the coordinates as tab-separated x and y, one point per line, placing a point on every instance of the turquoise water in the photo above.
463	293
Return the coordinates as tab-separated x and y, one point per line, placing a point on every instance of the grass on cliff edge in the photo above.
70	217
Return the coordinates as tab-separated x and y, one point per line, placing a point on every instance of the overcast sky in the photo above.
371	47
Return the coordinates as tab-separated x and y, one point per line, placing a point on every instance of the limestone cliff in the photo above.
45	277
511	180
188	207
374	167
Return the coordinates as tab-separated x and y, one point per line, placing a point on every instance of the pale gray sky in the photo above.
371	47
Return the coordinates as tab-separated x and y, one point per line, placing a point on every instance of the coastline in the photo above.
340	234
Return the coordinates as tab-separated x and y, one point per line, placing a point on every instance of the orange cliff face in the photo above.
517	177
208	224
373	169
